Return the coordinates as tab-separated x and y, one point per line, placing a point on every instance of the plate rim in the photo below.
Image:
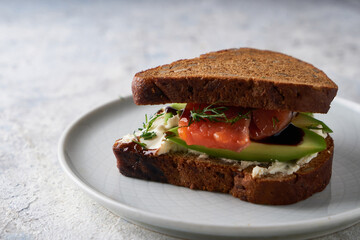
140	215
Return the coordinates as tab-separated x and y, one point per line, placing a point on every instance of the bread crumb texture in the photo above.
246	63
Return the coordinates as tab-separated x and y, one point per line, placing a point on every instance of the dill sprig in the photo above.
215	114
146	134
143	145
238	117
137	141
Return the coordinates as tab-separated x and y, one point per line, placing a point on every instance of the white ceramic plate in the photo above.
85	153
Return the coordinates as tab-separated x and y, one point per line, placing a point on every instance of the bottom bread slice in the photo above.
216	175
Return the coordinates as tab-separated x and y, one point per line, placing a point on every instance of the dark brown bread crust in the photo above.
220	176
238	77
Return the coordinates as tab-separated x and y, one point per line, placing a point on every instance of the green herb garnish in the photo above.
145	131
148	135
215	114
143	145
238	117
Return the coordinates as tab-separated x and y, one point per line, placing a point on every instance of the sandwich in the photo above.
237	121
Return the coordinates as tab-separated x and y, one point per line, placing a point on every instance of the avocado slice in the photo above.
262	152
304	120
178	106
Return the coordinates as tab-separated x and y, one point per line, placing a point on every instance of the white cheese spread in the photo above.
158	142
282	167
126	139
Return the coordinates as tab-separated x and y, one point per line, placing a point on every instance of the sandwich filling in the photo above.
229	128
272	141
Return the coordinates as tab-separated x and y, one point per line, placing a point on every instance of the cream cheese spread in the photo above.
282	167
158	142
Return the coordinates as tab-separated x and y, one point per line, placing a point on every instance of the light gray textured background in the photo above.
60	59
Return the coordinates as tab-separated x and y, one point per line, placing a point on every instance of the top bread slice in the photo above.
238	77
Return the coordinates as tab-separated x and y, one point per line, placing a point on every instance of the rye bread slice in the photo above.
238	77
216	175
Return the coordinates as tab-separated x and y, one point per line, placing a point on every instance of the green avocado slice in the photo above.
303	120
262	152
178	106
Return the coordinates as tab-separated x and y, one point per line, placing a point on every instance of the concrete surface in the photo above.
60	59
